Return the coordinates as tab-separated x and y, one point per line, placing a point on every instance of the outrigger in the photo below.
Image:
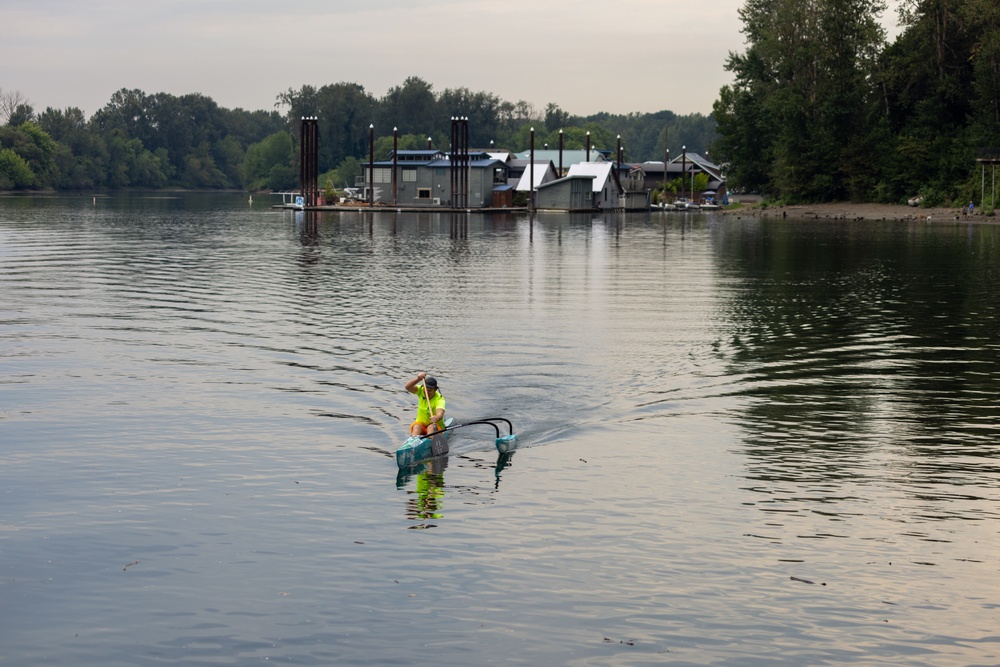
419	448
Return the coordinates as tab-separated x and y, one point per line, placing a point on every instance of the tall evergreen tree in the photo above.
801	102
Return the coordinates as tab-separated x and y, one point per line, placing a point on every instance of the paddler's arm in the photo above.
411	386
438	415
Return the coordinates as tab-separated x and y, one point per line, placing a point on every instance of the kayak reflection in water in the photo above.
426	500
430	495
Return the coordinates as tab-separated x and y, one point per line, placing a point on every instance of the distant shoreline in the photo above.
751	207
852	211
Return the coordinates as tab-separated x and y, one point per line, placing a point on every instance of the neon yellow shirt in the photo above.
423	413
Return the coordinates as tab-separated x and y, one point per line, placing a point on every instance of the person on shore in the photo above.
972	207
430	405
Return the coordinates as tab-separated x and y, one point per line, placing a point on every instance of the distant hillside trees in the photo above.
346	112
135	141
269	164
138	140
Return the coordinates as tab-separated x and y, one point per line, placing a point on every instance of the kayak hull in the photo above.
418	448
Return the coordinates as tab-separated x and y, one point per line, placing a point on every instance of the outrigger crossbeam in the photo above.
486	421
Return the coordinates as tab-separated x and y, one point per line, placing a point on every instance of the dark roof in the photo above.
473	162
429	153
436	160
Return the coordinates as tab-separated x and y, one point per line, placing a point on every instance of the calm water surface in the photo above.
743	442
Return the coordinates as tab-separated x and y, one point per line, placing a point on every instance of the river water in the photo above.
741	441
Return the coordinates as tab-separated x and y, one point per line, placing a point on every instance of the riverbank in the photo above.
852	211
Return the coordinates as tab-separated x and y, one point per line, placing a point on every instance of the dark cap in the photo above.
430	382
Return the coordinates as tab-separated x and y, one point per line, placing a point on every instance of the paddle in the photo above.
427	397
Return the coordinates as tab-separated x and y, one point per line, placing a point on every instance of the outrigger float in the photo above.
419	448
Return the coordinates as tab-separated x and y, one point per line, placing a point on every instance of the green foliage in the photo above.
821	108
15	173
555	118
81	153
330	194
270	164
642	134
931	197
700	183
186	141
22	113
345	175
200	170
345	112
35	148
406	142
131	165
801	97
347	172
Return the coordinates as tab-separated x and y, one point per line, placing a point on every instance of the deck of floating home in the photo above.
384	208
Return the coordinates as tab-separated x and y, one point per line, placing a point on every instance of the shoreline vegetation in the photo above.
822	107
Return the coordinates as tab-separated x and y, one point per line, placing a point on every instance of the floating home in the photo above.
423	179
687	165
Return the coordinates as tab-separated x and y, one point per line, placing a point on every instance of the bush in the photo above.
14	171
932	197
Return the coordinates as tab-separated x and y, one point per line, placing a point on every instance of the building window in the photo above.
382	175
409	175
423	193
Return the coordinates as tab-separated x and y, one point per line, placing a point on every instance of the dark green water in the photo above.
199	401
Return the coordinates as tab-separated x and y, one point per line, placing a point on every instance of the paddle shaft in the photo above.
427	397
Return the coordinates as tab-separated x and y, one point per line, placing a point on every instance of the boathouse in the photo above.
587	186
519	174
686	165
569	193
569	157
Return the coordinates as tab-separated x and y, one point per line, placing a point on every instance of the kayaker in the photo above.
430	418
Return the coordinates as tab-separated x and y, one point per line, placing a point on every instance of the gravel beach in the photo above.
851	211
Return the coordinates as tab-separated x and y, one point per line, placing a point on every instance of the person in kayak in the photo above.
430	408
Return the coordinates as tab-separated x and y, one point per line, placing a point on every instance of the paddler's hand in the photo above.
421	376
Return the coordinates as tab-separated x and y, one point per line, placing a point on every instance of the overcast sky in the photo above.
584	55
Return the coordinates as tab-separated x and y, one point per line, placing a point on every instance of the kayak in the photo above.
419	448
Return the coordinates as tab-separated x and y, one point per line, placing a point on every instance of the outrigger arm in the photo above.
486	420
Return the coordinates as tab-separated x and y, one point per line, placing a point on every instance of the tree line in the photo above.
140	140
822	107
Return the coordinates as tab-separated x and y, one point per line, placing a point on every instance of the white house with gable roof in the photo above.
587	186
606	188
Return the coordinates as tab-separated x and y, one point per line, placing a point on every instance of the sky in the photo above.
583	55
